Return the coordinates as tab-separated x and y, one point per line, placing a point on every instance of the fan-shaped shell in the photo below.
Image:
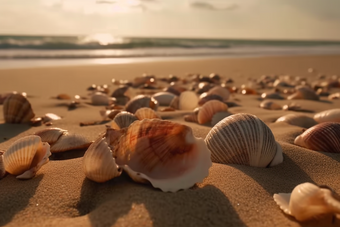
17	109
146	113
303	92
164	153
298	120
124	119
321	137
270	105
98	162
332	115
140	101
164	98
243	139
25	156
50	135
209	109
101	99
308	201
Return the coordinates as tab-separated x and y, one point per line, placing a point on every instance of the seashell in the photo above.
187	100
273	95
321	137
50	117
243	139
334	96
140	101
191	117
248	91
98	162
332	115
25	156
146	113
63	97
50	135
124	119
2	166
164	153
220	91
270	105
205	98
164	98
175	89
175	103
280	83
209	109
218	117
17	109
298	120
121	91
303	92
292	106
109	114
308	201
101	99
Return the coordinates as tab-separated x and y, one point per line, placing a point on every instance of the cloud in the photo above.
209	6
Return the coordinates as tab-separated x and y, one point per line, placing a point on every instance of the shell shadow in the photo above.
15	196
8	131
120	198
68	154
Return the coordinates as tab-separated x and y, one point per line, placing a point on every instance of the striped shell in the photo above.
270	105
298	120
146	113
25	156
164	153
243	139
17	109
303	92
308	201
140	101
332	115
124	119
322	137
209	109
98	163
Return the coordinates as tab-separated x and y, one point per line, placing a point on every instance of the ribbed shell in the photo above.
164	153
164	98
270	105
68	142
332	115
140	101
209	109
17	109
25	156
98	162
308	201
243	139
322	137
50	135
298	120
146	113
124	119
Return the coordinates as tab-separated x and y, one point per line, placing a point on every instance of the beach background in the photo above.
66	46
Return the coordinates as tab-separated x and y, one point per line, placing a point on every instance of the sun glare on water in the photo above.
103	39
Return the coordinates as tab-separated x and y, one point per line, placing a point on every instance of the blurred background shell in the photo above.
17	109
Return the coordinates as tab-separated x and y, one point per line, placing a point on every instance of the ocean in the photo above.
32	51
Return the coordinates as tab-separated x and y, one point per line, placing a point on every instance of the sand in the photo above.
231	195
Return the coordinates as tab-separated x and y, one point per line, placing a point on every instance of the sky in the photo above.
246	19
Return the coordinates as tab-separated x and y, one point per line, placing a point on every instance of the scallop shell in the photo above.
25	156
308	201
50	135
243	139
140	101
321	137
270	105
164	153
2	166
303	92
164	98
218	117
124	119
332	115
220	91
146	113
17	109
101	99
187	100
98	162
298	120
209	109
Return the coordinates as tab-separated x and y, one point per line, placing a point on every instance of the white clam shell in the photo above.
270	105
308	201
243	139
25	156
124	119
51	117
17	109
164	98
187	100
164	153
332	115
298	120
146	113
98	162
209	109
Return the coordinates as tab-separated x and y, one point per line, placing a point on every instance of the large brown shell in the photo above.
140	101
17	109
209	109
322	137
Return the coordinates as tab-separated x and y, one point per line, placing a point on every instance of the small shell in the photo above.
146	113
298	120
205	98
164	153
2	166
121	91
334	96
164	98
292	106
98	162
220	91
303	92
140	101
218	117
270	105
63	97
308	201
109	114
322	137
332	115
17	109
50	117
209	109
124	119
25	156
68	142
50	135
273	95
243	139
248	91
187	100
101	99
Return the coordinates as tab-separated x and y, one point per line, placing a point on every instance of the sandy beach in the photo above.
231	195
